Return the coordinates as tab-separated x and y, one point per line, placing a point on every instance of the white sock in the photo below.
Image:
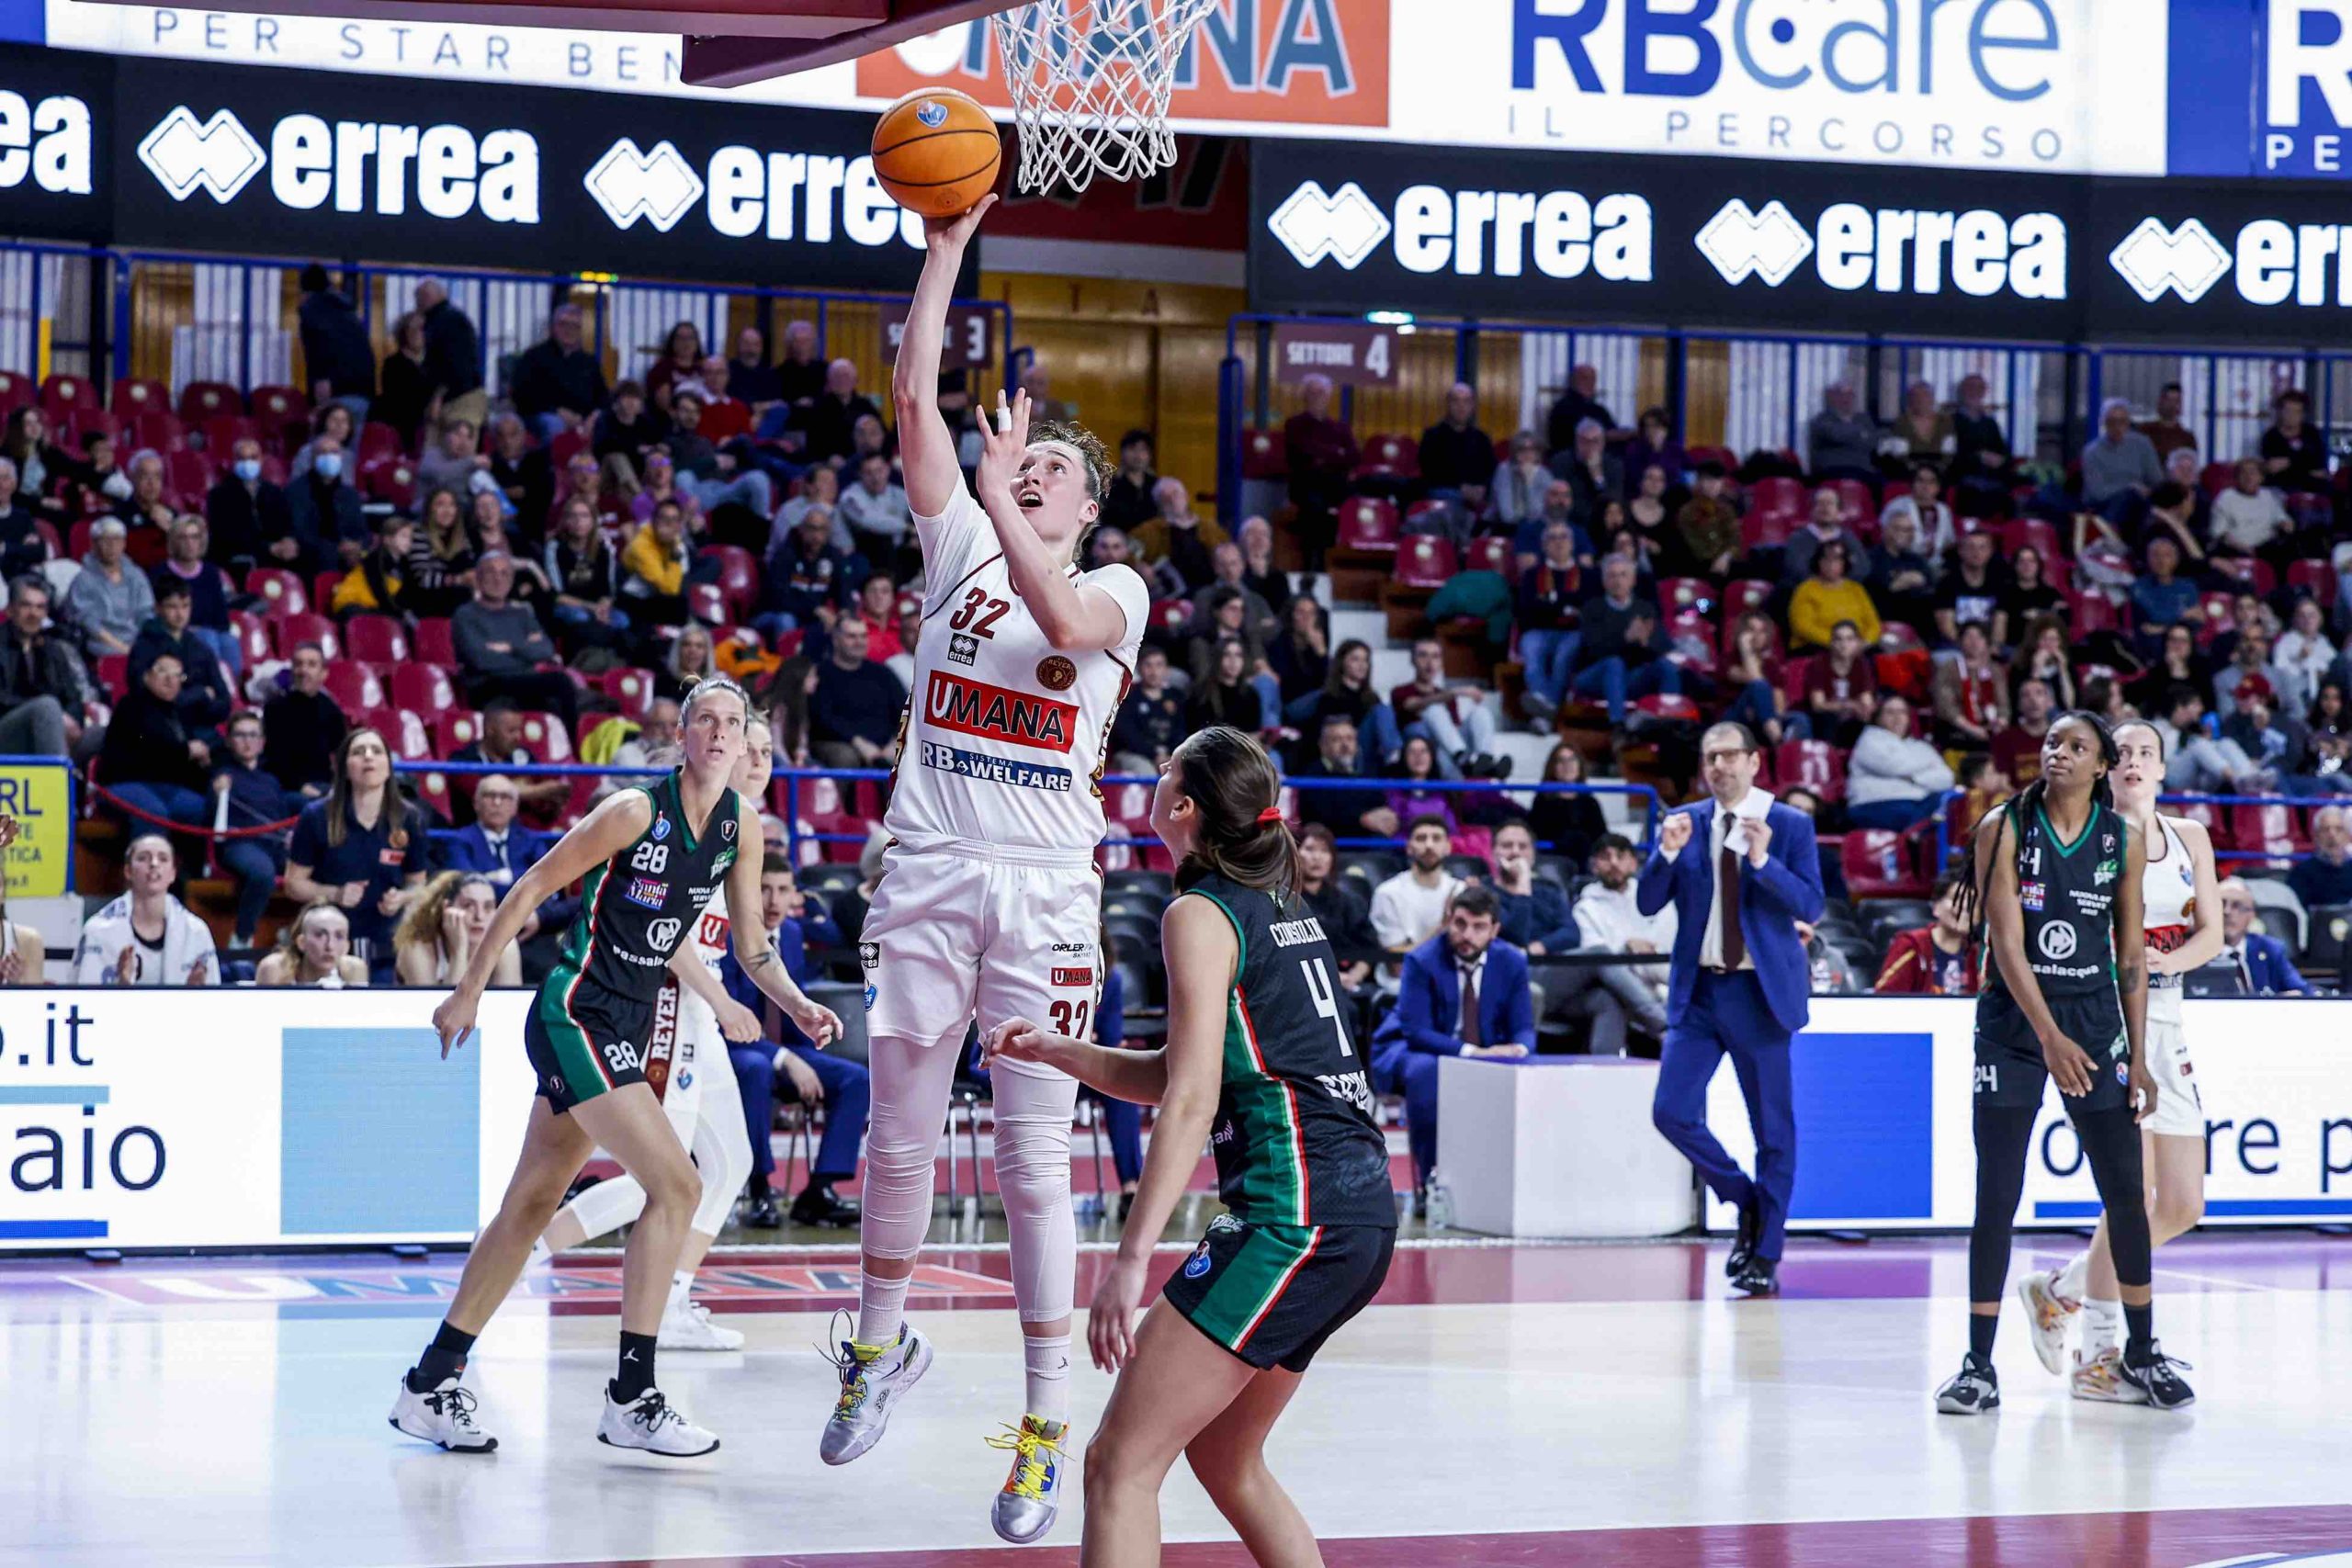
680	1283
881	1309
2102	1326
1045	1365
2073	1279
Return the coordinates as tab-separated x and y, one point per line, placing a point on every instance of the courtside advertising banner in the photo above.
238	1118
40	795
1882	1112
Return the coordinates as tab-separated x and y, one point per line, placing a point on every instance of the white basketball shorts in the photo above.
955	937
2180	1111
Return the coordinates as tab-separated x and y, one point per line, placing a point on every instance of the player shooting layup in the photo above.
990	903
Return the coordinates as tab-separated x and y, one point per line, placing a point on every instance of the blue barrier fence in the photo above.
1944	845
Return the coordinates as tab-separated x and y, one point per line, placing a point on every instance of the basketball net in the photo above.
1089	82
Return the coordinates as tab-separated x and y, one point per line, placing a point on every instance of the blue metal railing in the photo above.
1944	845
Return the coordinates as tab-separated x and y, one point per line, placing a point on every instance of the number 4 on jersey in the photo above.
1326	1000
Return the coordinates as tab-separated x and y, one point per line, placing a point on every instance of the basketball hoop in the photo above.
1090	81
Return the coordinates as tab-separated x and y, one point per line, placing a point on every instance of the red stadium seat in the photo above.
377	440
201	401
113	673
852	830
1793	672
423	689
189	473
379	639
410	737
1172	615
1262	456
1390	457
16	391
391	479
565	444
631	690
279	591
64	395
137	396
456	730
1859	498
432	789
1742	595
1492	552
738	577
2217	478
2255	573
83	421
1764	530
1722	455
1669	704
1368	523
354	686
159	429
2276	831
1881	864
278	407
1424	562
223	431
1685	626
146	547
2020	531
324	585
546	738
1685	593
1815	765
252	637
293	631
77	541
707	602
2215	602
2091	614
2316	577
433	643
1780	496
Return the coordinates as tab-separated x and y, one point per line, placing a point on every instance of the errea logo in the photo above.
446	171
1472	233
48	142
1891	250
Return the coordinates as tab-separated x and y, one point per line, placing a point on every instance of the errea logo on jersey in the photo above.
993	713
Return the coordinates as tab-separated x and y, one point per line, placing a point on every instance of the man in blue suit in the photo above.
498	847
1430	1021
1741	871
2263	966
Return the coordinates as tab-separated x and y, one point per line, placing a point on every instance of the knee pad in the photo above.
900	1181
722	1152
1033	1177
607	1206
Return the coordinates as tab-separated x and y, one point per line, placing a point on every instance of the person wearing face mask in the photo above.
325	523
250	522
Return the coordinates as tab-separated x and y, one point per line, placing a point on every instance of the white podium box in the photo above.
1558	1147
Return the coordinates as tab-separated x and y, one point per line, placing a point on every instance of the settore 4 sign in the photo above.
1884	1088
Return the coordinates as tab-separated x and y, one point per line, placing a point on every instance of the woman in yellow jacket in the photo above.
654	569
1829	596
379	582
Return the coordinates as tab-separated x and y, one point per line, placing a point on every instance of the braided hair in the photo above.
2020	808
1234	787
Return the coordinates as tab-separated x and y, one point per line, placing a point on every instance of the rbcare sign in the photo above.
2260	88
225	1118
1352	226
1882	1109
303	163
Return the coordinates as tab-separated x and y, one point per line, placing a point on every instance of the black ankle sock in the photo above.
759	1186
2139	1332
1981	1326
442	1360
636	1373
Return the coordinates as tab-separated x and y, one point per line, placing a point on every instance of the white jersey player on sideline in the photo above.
2181	900
989	904
693	1022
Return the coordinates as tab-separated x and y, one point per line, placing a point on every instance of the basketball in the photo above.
936	152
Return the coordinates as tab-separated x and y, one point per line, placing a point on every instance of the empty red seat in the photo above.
423	689
1815	765
1781	497
391	480
1880	864
293	631
2217	478
739	576
252	636
1721	455
1685	593
278	407
2255	573
1859	498
1669	704
405	731
631	690
159	430
545	737
707	602
377	440
137	396
2091	614
432	789
279	591
204	400
324	585
2021	532
1172	615
113	673
352	686
63	395
2215	602
1424	562
456	730
2316	577
16	391
146	547
1368	523
1764	530
1389	457
190	473
379	639
1262	456
433	643
85	422
1690	630
1742	595
2276	831
1492	552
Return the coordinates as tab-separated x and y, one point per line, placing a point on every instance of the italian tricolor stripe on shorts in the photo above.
1280	1183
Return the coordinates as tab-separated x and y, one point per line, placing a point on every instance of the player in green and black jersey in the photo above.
650	858
1260	1063
2057	881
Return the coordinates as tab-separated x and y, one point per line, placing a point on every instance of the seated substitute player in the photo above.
989	904
652	856
1259	1062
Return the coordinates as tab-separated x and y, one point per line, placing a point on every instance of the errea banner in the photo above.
306	162
55	160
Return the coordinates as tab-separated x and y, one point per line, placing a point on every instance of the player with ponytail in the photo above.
1259	1055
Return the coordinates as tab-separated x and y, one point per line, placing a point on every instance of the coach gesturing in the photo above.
1739	985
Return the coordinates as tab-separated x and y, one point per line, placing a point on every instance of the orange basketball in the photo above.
936	152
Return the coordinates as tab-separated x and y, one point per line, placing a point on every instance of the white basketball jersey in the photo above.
1005	735
2168	907
710	938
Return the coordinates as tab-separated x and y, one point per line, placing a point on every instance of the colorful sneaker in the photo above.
874	1377
444	1415
1026	1507
2157	1377
1975	1389
687	1325
652	1424
2098	1378
2048	1315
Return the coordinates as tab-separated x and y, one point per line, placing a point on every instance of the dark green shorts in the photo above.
2009	1069
1272	1294
580	1049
